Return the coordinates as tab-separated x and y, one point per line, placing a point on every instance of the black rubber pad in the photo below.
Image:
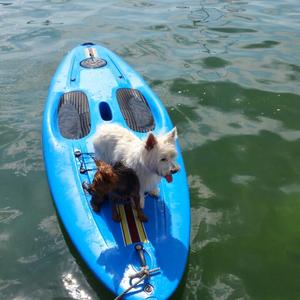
135	110
74	119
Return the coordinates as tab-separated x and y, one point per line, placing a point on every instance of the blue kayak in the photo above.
93	86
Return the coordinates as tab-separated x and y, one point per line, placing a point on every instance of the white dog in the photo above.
151	158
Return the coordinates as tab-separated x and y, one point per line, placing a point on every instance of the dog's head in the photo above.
105	179
160	154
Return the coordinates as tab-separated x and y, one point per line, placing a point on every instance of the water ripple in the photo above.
205	15
229	74
8	214
8	283
215	125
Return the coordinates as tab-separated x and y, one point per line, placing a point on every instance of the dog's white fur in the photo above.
151	158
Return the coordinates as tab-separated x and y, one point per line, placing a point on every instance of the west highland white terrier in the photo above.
151	158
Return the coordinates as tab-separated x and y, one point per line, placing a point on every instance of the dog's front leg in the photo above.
142	199
140	212
114	210
115	214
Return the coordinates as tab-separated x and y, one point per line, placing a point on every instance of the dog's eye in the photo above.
163	159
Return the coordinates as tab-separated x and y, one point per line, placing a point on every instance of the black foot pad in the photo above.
135	110
74	115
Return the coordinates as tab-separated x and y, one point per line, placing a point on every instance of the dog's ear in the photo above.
150	142
172	135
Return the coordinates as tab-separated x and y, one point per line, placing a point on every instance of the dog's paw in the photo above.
95	207
154	193
142	217
116	218
142	202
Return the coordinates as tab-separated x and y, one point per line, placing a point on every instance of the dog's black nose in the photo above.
175	170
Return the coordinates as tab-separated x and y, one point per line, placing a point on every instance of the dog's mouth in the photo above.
169	178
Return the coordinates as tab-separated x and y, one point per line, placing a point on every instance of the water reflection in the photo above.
73	288
202	191
228	286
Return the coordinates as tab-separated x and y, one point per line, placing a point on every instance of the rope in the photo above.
131	287
83	164
143	274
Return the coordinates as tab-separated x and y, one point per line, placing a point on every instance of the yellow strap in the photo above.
125	228
140	227
124	225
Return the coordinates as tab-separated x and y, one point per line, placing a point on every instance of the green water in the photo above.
229	75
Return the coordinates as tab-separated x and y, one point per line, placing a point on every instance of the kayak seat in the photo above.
135	110
74	120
